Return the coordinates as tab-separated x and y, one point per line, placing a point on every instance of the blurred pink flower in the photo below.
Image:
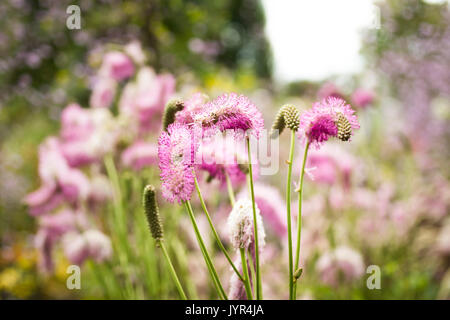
140	154
51	228
103	92
87	134
90	244
361	98
145	99
117	65
329	89
341	261
60	183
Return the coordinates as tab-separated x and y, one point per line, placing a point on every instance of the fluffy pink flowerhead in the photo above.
332	117
229	112
176	152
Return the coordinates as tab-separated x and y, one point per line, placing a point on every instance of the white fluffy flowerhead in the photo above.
240	225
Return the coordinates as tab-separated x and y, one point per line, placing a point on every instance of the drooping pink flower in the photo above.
139	155
117	65
103	92
361	98
60	183
343	260
240	225
176	153
229	112
272	207
325	118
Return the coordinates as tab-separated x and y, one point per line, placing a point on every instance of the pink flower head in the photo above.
140	154
322	121
229	112
361	98
117	65
176	152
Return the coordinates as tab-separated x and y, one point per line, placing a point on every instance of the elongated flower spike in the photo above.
172	107
288	116
152	214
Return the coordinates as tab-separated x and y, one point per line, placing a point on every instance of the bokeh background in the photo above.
384	197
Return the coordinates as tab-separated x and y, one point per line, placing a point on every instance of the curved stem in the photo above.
255	223
248	288
289	219
230	189
216	235
172	270
208	260
299	217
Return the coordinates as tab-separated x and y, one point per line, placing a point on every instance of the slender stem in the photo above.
120	224
248	288
289	219
299	217
216	235
255	223
230	189
208	260
172	270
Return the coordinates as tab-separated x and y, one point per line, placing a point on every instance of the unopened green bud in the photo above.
288	116
152	213
172	107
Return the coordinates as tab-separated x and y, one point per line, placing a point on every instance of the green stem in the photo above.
255	223
208	260
120	224
172	270
299	217
289	219
246	280
230	189
216	236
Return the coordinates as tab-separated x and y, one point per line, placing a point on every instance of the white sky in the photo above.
313	39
